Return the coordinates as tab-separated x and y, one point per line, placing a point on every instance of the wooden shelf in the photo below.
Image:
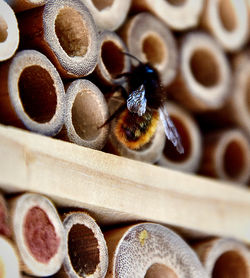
117	189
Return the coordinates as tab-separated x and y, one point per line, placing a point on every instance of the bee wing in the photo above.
137	102
170	129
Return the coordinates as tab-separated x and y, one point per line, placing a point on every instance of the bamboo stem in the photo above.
65	31
9	32
22	5
32	93
4	218
38	233
150	40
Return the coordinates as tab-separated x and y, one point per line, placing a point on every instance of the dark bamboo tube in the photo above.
9	32
224	258
150	250
65	31
178	14
226	156
87	253
38	233
203	80
190	138
31	93
227	21
150	40
22	5
4	218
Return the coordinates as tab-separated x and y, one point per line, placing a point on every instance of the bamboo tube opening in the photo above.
101	5
227	15
205	67
72	32
37	93
83	250
160	271
3	29
177	2
230	265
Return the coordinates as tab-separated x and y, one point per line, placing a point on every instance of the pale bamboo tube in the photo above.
148	147
226	156
150	40
22	5
9	261
4	218
150	250
38	233
203	80
31	93
86	111
9	32
190	138
65	31
112	61
227	21
108	14
178	14
87	253
224	258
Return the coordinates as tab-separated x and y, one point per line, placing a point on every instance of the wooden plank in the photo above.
117	189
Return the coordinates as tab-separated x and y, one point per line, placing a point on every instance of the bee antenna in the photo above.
132	56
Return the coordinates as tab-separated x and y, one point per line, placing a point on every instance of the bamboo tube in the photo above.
86	111
178	14
22	5
226	155
108	14
224	258
9	262
151	41
38	233
9	32
4	219
227	21
64	30
203	80
87	253
191	140
112	61
31	93
150	250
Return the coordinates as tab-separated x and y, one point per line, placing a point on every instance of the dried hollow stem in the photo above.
22	5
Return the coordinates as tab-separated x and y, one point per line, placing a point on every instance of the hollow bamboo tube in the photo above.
203	80
150	250
224	258
178	14
226	155
22	5
108	14
4	218
9	32
86	111
9	261
191	141
150	40
38	233
31	93
65	31
227	21
112	61
87	253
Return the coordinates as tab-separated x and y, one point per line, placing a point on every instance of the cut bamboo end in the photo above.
4	219
9	32
226	156
38	233
32	93
22	5
65	31
227	21
9	262
112	61
86	111
178	14
224	258
204	75
190	138
150	40
150	250
108	14
87	253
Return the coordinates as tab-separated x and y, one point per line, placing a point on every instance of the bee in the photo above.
145	102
